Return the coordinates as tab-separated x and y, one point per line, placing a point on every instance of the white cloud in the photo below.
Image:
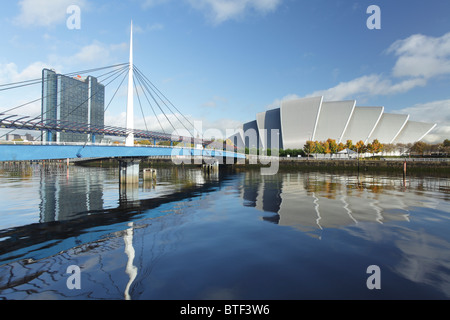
95	54
277	102
9	73
421	56
219	11
152	3
207	127
368	86
44	12
147	28
419	59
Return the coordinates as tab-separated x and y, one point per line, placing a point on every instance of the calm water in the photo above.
239	236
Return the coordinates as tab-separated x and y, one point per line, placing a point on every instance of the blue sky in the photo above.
222	61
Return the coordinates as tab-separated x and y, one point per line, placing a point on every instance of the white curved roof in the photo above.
299	121
388	127
333	120
414	131
362	123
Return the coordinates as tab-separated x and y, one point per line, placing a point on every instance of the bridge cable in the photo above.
37	81
165	97
151	106
159	106
119	71
172	112
140	105
52	94
120	85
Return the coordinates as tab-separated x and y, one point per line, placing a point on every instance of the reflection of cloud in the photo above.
424	259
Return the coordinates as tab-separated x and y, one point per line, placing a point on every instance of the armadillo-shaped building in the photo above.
301	120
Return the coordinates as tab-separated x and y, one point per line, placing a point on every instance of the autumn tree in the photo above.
310	147
360	147
319	148
332	145
325	147
374	147
349	144
419	147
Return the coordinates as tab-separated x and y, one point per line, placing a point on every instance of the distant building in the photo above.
17	137
300	120
79	100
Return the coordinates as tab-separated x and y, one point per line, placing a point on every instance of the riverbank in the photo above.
427	166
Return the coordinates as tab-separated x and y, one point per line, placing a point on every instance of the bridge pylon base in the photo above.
129	171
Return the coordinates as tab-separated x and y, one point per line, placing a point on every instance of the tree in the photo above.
374	147
326	147
349	145
310	147
318	147
446	143
360	147
340	147
419	147
332	146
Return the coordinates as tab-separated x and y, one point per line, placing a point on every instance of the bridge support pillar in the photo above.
129	171
129	181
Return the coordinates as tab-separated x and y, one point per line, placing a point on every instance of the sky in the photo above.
222	61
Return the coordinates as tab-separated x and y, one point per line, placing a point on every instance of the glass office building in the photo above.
73	102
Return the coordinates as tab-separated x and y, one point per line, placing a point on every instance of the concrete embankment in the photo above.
369	165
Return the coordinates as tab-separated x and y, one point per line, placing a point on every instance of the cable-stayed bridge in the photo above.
179	136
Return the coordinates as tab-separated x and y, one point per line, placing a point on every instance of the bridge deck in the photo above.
11	152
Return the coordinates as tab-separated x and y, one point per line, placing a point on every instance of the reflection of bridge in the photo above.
190	145
86	217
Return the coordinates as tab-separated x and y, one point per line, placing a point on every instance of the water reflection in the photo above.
79	205
195	235
315	201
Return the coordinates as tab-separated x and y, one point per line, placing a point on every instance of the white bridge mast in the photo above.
129	142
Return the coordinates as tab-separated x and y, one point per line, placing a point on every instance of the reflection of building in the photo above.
76	100
300	120
61	200
313	202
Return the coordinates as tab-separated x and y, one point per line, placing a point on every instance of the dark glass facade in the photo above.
75	100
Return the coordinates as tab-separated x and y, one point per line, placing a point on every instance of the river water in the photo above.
193	235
